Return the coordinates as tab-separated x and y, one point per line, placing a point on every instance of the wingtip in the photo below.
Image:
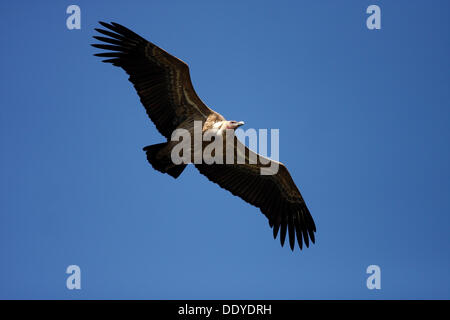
312	237
276	227
282	240
104	24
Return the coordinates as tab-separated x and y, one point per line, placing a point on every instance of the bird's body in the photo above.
164	86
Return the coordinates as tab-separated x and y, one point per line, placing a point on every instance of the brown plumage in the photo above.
163	84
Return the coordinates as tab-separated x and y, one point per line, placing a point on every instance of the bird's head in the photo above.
222	126
233	124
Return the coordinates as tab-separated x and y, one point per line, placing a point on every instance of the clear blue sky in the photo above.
364	130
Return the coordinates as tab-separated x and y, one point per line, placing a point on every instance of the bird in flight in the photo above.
164	86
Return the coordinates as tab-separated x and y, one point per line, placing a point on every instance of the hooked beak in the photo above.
240	123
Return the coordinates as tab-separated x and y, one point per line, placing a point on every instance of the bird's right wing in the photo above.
162	81
275	195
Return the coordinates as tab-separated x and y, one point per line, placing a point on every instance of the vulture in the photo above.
164	86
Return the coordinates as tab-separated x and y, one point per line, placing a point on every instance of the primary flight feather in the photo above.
164	86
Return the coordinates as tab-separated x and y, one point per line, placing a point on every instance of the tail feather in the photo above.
162	162
175	171
152	156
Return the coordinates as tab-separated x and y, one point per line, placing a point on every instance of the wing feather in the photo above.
276	196
161	80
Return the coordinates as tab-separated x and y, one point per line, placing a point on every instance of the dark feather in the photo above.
151	71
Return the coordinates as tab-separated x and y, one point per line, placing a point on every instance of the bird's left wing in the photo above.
161	80
275	195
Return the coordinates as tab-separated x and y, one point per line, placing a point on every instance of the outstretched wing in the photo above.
162	81
275	195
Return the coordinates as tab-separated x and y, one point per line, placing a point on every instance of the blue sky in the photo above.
364	130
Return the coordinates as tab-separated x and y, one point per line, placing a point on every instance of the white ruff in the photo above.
217	124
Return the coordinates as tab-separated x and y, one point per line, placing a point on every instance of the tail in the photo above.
161	161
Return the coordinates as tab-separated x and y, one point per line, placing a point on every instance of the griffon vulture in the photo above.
163	84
